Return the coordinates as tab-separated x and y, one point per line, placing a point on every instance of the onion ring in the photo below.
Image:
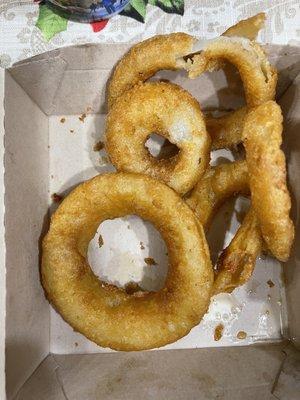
145	59
104	313
267	177
236	263
140	112
258	76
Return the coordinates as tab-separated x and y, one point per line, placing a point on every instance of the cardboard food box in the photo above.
53	108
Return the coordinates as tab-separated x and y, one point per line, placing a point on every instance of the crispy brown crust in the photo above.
237	261
145	59
258	76
170	111
106	314
226	131
216	186
267	177
247	28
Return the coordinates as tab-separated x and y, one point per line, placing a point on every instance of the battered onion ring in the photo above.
258	76
267	177
226	131
170	111
145	59
237	261
106	314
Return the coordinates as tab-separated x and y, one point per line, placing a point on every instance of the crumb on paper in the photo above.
218	332
82	117
63	120
267	312
57	198
270	283
132	287
128	226
150	261
142	246
98	146
89	109
76	344
241	335
269	297
71	130
48	146
103	161
100	241
51	176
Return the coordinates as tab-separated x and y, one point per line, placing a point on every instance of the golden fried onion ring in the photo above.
104	313
267	177
237	261
258	76
141	111
145	59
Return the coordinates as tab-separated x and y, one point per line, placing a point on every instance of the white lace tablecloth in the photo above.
20	38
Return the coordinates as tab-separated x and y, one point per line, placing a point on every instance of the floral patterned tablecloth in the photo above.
20	38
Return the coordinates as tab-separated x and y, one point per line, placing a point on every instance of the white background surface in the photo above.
20	39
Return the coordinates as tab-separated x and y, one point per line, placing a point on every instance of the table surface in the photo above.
20	38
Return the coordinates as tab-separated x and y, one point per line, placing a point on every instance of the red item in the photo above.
99	25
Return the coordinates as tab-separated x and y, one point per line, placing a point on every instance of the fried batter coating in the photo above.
258	76
236	263
226	131
145	59
104	313
170	111
267	177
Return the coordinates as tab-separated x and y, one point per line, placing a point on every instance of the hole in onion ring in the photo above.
132	255
161	148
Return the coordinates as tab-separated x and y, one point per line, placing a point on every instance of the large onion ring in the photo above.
236	263
170	111
267	176
106	314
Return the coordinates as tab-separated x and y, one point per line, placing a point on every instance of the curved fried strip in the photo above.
258	76
267	177
226	131
236	263
146	58
215	187
247	28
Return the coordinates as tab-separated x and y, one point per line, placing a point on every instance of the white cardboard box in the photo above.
45	359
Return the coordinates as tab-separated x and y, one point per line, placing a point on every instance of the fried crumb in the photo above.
103	161
269	297
71	130
98	146
270	283
82	117
100	241
89	109
132	287
241	335
52	176
76	344
57	198
48	146
63	120
267	312
218	332
150	261
128	227
142	246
